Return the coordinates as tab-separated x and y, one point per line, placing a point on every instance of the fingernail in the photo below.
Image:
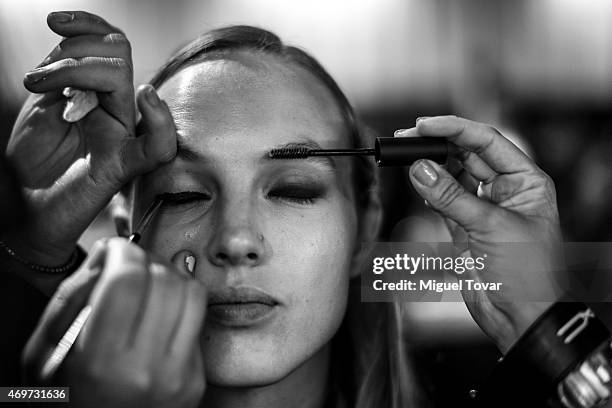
422	118
37	74
425	174
400	132
152	97
44	62
62	16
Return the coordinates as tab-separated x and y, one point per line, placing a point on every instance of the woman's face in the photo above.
273	239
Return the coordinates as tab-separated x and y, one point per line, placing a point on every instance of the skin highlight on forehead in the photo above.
230	112
239	106
263	83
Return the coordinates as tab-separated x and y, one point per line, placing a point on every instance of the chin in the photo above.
234	371
245	357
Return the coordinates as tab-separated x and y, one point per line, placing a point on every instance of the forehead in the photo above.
254	95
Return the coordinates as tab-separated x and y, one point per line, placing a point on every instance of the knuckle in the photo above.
549	183
118	39
88	17
64	44
540	179
448	193
121	66
164	157
69	63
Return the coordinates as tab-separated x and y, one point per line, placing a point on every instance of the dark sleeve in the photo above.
24	295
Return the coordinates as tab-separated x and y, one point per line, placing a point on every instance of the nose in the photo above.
236	246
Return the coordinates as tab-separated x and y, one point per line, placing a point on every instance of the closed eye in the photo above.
183	198
296	193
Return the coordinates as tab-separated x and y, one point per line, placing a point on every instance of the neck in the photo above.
305	387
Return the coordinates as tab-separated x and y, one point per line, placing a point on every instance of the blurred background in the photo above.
540	71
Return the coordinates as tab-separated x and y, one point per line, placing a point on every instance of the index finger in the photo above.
73	23
499	153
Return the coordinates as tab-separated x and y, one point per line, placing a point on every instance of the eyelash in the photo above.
184	197
296	194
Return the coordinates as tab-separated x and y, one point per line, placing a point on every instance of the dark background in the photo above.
540	71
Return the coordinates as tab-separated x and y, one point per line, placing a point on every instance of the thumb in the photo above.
445	195
156	141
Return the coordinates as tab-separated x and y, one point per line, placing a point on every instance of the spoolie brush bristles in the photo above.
289	153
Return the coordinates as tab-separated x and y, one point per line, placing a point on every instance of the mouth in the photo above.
240	306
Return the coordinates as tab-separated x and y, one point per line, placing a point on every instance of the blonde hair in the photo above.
370	368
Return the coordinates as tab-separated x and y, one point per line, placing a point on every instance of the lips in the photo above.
233	295
240	307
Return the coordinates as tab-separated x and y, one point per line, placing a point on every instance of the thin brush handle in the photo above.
145	220
342	152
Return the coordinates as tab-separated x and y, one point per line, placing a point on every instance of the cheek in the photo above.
167	238
309	268
313	255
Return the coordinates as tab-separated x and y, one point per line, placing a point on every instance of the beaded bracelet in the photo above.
75	259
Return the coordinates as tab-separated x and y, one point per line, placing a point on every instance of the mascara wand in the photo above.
387	151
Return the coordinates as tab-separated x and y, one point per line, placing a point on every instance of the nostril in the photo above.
252	256
222	257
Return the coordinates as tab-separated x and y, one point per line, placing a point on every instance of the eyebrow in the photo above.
308	144
188	154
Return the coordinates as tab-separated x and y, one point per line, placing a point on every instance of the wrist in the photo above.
550	348
27	245
524	315
44	278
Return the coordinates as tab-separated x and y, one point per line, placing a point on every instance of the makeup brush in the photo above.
146	219
387	151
